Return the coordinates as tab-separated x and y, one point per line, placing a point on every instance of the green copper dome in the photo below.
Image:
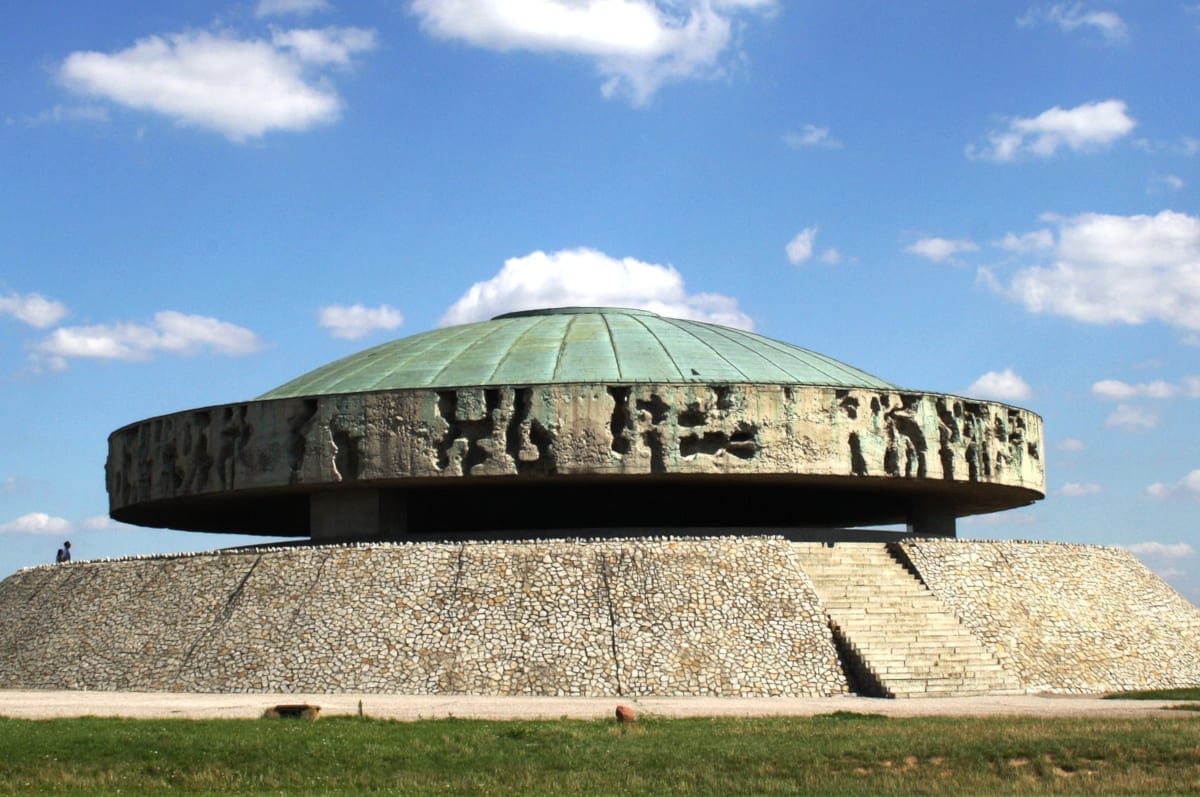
575	345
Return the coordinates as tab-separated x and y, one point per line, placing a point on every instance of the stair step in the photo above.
899	631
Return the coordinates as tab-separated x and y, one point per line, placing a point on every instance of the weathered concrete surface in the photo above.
905	451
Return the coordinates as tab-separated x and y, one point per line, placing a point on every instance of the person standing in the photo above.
64	553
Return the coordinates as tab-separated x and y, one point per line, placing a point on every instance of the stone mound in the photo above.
733	616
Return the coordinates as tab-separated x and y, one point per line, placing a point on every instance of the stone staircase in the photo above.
897	639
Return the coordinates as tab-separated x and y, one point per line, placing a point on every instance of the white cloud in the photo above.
636	45
1001	385
1075	489
356	321
1186	146
172	332
1165	183
242	88
33	309
1114	389
1130	417
587	277
1162	558
811	136
10	485
800	248
1189	485
1071	444
268	8
325	46
1118	269
1070	17
1160	550
36	523
1084	128
1035	241
41	523
941	249
68	113
1121	391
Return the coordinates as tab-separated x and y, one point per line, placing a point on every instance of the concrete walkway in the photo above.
146	705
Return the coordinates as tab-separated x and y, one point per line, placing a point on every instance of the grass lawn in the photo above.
1191	693
834	754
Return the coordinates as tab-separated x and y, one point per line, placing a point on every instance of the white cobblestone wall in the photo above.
633	617
1066	618
729	616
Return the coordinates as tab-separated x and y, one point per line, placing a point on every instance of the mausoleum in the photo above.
593	501
574	420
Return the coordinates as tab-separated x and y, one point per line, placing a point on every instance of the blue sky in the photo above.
202	201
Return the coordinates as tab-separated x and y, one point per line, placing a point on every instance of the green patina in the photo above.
576	345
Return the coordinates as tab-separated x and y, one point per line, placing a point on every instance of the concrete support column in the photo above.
932	519
366	512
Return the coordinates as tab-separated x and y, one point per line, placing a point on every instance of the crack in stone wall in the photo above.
222	616
716	616
719	616
606	579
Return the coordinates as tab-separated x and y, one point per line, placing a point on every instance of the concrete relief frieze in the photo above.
576	429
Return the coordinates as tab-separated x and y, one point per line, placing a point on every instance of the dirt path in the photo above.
47	704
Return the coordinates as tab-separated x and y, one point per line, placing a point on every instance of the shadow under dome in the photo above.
516	508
